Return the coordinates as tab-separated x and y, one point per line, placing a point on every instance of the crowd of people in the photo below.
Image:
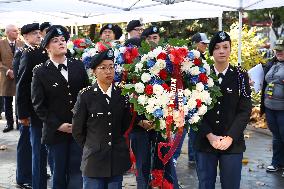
78	129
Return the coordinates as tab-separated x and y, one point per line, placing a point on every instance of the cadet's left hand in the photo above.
225	143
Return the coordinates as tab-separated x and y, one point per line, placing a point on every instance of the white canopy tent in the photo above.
99	11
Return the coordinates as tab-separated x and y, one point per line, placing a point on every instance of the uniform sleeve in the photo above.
243	113
126	120
24	87
204	128
16	64
79	121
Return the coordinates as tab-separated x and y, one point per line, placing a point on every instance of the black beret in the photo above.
44	25
55	31
115	28
135	41
218	37
149	31
98	58
29	27
133	24
200	37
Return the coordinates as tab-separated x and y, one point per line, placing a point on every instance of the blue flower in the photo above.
202	69
184	100
158	113
155	80
150	63
87	62
117	77
120	59
169	65
194	79
190	55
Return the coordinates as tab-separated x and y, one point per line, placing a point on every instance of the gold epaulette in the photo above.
37	66
85	89
241	69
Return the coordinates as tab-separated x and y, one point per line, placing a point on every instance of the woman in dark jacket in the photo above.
273	104
220	139
100	120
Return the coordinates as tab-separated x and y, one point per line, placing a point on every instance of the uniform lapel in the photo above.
7	46
100	96
114	97
229	76
55	71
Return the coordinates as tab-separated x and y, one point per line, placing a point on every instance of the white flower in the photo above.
191	103
149	108
187	92
118	68
152	101
164	99
155	70
162	124
204	95
157	51
194	70
210	82
92	51
196	53
161	63
202	110
185	109
157	89
207	67
122	49
138	67
186	65
139	87
142	99
194	119
144	58
199	87
145	77
195	94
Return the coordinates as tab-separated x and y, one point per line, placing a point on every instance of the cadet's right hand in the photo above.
146	124
25	121
65	127
214	140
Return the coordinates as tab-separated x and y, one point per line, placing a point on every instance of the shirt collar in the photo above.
11	41
56	64
224	72
108	92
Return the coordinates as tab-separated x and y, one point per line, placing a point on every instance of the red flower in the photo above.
162	56
177	55
130	54
196	62
163	74
149	89
203	78
79	43
199	102
166	87
103	46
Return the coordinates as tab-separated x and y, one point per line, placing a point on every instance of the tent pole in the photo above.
72	32
240	33
220	23
76	29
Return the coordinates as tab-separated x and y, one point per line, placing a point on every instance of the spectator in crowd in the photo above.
134	28
272	104
110	32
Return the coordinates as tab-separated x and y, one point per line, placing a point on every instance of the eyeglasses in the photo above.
139	29
105	68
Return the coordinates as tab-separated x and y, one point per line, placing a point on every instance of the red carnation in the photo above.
199	103
203	78
162	56
196	62
166	87
149	89
130	54
163	74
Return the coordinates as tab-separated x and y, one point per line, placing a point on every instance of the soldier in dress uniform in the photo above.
135	29
110	32
220	139
24	150
32	56
55	87
151	34
101	118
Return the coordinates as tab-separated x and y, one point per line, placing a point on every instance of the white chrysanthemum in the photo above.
92	51
155	70
196	53
204	95
142	99
119	68
199	87
202	110
152	101
145	77
194	70
163	99
194	94
157	89
185	109
157	51
144	58
122	49
138	67
186	65
187	92
139	87
162	124
150	109
161	63
84	55
194	119
191	103
210	82
207	67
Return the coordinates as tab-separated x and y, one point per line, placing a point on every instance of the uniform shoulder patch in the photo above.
85	89
37	66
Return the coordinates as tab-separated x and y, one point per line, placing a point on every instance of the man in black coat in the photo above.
55	87
32	56
220	138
